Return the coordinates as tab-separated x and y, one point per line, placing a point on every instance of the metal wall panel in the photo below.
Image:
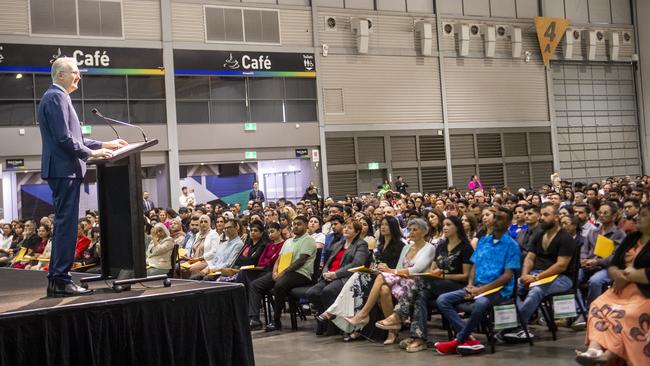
388	31
371	149
495	90
488	145
553	8
374	92
414	6
577	10
342	183
142	20
596	117
296	28
503	8
600	11
14	17
462	147
391	5
491	175
360	4
515	144
330	3
188	22
434	179
403	148
527	8
370	180
340	150
517	175
432	148
476	8
454	7
462	174
540	143
621	11
541	173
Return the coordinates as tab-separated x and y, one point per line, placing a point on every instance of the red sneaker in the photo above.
470	347
447	348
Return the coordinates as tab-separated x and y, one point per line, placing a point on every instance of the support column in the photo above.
319	93
443	96
642	78
170	104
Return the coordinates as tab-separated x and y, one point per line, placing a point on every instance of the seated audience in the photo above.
159	251
249	255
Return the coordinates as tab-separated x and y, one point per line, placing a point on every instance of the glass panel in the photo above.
147	112
12	87
227	111
233	25
228	88
266	88
192	112
266	111
111	14
215	24
192	87
301	110
78	107
17	113
146	87
50	17
112	87
43	82
299	88
114	110
253	24
270	27
90	21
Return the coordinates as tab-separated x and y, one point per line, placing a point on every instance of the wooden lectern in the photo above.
121	219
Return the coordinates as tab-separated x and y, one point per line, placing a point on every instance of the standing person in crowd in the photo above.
618	320
301	250
475	184
256	195
494	263
147	204
186	199
551	255
65	151
401	185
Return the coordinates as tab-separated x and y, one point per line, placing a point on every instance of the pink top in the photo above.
270	254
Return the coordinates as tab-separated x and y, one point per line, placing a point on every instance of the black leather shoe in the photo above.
66	289
272	327
255	324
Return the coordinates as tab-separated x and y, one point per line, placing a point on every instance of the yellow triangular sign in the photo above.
550	32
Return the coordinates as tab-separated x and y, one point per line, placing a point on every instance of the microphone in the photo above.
96	112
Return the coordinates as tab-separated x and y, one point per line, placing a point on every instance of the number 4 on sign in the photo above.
549	34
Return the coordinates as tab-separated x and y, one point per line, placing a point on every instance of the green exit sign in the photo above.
86	130
250	154
373	166
250	126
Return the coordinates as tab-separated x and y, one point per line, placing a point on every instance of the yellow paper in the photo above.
182	252
488	292
285	261
604	247
362	269
20	255
543	281
185	265
218	273
247	267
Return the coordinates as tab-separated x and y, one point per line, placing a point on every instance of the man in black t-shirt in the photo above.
550	259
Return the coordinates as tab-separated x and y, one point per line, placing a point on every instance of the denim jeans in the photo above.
535	295
595	282
447	303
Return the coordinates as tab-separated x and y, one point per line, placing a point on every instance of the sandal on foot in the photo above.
381	325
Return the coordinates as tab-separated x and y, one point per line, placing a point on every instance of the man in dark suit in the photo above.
63	166
147	204
256	194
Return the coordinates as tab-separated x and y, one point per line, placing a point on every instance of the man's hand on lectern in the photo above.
101	153
115	144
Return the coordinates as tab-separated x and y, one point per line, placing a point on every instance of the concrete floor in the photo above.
304	348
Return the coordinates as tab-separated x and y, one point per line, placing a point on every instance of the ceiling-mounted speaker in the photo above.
424	29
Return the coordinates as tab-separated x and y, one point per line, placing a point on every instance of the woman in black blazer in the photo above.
350	252
619	320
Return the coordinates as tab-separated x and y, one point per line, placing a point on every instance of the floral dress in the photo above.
621	323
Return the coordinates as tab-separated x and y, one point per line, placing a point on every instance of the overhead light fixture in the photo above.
19	76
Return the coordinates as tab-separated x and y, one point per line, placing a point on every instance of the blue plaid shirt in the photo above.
493	258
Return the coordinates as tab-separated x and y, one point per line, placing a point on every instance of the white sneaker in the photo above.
518	335
579	323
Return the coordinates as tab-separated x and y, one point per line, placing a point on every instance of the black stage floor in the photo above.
189	323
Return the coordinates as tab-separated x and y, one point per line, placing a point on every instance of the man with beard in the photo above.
551	255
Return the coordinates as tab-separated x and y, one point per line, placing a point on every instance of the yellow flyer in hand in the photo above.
543	281
604	247
363	269
488	292
285	261
247	267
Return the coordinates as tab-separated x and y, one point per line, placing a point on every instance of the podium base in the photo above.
120	285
